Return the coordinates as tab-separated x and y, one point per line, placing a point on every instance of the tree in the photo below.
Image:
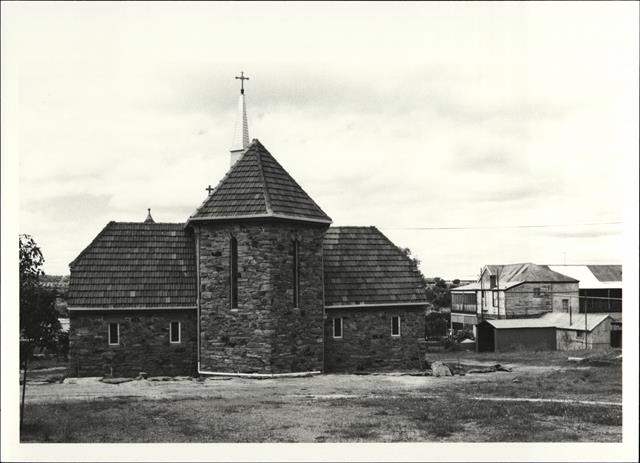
39	325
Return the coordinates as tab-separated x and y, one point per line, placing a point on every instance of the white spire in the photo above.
241	132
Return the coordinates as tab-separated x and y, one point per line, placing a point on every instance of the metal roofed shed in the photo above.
552	331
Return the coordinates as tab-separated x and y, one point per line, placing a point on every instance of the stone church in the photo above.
255	282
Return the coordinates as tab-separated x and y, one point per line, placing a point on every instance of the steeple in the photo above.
241	132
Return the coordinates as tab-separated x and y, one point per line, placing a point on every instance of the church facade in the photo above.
256	281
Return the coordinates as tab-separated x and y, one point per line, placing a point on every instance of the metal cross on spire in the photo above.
242	78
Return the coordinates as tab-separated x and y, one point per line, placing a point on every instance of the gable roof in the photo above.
362	266
511	275
258	186
593	276
528	272
558	320
135	265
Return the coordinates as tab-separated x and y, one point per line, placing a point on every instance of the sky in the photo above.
445	125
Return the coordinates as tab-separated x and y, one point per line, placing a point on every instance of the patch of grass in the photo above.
356	431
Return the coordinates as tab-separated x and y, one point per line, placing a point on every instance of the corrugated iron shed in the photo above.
552	320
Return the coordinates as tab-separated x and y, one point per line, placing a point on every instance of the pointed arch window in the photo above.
296	272
233	272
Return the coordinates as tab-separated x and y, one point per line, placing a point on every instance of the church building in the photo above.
256	282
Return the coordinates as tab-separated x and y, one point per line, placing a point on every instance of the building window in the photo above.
580	334
565	305
337	327
492	281
233	269
175	333
296	274
114	334
395	326
536	292
494	295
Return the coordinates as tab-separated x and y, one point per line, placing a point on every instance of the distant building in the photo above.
551	331
513	291
600	287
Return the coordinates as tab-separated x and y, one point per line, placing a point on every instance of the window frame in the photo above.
333	330
399	329
171	341
565	301
579	334
537	292
117	343
493	281
495	299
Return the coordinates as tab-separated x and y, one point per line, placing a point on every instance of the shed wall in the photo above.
525	339
598	338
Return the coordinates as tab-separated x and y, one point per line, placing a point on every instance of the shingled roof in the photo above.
362	266
258	186
135	265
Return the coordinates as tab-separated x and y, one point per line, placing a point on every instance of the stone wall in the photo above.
265	333
367	344
144	343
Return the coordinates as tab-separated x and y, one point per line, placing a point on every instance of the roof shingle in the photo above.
362	266
258	186
135	265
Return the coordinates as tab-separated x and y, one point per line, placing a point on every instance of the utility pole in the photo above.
586	331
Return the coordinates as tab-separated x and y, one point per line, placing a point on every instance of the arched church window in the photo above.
233	270
296	272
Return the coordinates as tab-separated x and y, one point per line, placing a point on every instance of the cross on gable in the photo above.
242	78
209	189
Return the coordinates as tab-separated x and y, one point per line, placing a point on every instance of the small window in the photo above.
296	275
175	332
233	269
580	334
337	327
565	305
114	334
492	281
536	292
395	326
494	295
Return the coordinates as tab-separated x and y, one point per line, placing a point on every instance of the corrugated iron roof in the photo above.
593	276
609	273
528	272
135	265
362	266
559	320
258	186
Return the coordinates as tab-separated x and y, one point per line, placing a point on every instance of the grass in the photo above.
278	413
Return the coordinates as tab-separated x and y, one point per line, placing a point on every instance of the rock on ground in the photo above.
440	369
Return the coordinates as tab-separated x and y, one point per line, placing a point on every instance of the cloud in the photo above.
488	160
71	207
584	233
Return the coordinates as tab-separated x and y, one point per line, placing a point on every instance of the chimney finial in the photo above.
149	219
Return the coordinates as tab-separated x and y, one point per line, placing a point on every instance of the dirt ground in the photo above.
564	402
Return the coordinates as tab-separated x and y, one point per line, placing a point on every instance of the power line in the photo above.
492	227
